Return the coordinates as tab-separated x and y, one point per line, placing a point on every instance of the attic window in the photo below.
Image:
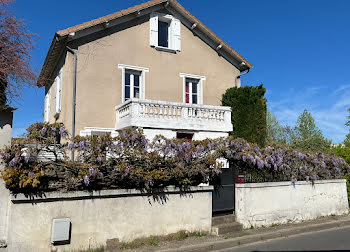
165	32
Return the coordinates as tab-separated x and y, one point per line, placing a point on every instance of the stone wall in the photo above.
5	139
264	204
110	214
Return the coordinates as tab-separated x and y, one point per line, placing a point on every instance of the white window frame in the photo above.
174	32
47	106
200	79
58	93
143	71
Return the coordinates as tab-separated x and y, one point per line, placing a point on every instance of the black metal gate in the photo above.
224	195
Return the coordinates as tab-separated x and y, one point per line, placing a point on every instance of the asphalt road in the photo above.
333	240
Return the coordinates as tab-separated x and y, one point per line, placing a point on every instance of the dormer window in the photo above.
165	32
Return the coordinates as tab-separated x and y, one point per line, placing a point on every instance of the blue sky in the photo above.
300	50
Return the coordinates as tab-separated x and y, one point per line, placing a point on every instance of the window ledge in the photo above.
165	49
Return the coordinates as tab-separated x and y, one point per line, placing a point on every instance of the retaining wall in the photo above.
110	214
264	204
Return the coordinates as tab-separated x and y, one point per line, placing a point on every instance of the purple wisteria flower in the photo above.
92	172
70	146
63	132
293	180
149	182
166	151
199	149
86	180
43	131
187	158
31	174
260	163
307	178
26	158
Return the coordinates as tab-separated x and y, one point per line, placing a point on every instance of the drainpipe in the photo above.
239	76
74	93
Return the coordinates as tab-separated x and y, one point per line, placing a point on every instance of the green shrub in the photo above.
248	112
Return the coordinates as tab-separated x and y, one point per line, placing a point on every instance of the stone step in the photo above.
228	228
217	220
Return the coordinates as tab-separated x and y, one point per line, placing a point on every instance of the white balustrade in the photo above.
172	115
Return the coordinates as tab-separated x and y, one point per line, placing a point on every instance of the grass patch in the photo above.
154	241
99	249
275	224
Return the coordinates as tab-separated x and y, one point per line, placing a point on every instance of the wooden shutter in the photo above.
58	91
153	22
47	106
176	34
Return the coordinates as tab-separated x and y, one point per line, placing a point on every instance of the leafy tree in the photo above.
307	136
15	45
347	139
248	112
343	150
277	133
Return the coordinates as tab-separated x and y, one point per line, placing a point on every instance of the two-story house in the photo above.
153	66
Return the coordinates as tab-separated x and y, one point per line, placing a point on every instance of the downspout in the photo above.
74	93
239	76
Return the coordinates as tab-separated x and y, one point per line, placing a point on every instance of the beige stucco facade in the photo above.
99	80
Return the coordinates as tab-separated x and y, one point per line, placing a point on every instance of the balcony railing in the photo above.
172	115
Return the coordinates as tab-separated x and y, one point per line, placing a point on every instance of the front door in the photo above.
224	195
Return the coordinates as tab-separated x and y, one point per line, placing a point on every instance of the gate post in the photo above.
6	117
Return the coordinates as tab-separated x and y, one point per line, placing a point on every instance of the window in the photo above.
192	88
47	106
133	82
165	32
191	91
58	93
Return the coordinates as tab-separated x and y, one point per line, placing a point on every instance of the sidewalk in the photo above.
261	234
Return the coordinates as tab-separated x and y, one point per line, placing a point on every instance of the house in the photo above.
153	66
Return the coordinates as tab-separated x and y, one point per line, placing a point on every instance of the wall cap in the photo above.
288	183
114	193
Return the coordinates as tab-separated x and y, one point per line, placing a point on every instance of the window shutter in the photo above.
176	34
56	92
60	91
153	22
47	106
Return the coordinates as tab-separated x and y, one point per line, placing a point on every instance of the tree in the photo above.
248	112
15	46
275	132
307	136
347	139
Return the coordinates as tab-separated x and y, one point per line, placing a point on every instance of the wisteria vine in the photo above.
131	161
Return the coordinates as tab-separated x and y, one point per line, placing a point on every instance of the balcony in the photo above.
173	115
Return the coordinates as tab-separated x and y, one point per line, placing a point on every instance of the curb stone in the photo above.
248	239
